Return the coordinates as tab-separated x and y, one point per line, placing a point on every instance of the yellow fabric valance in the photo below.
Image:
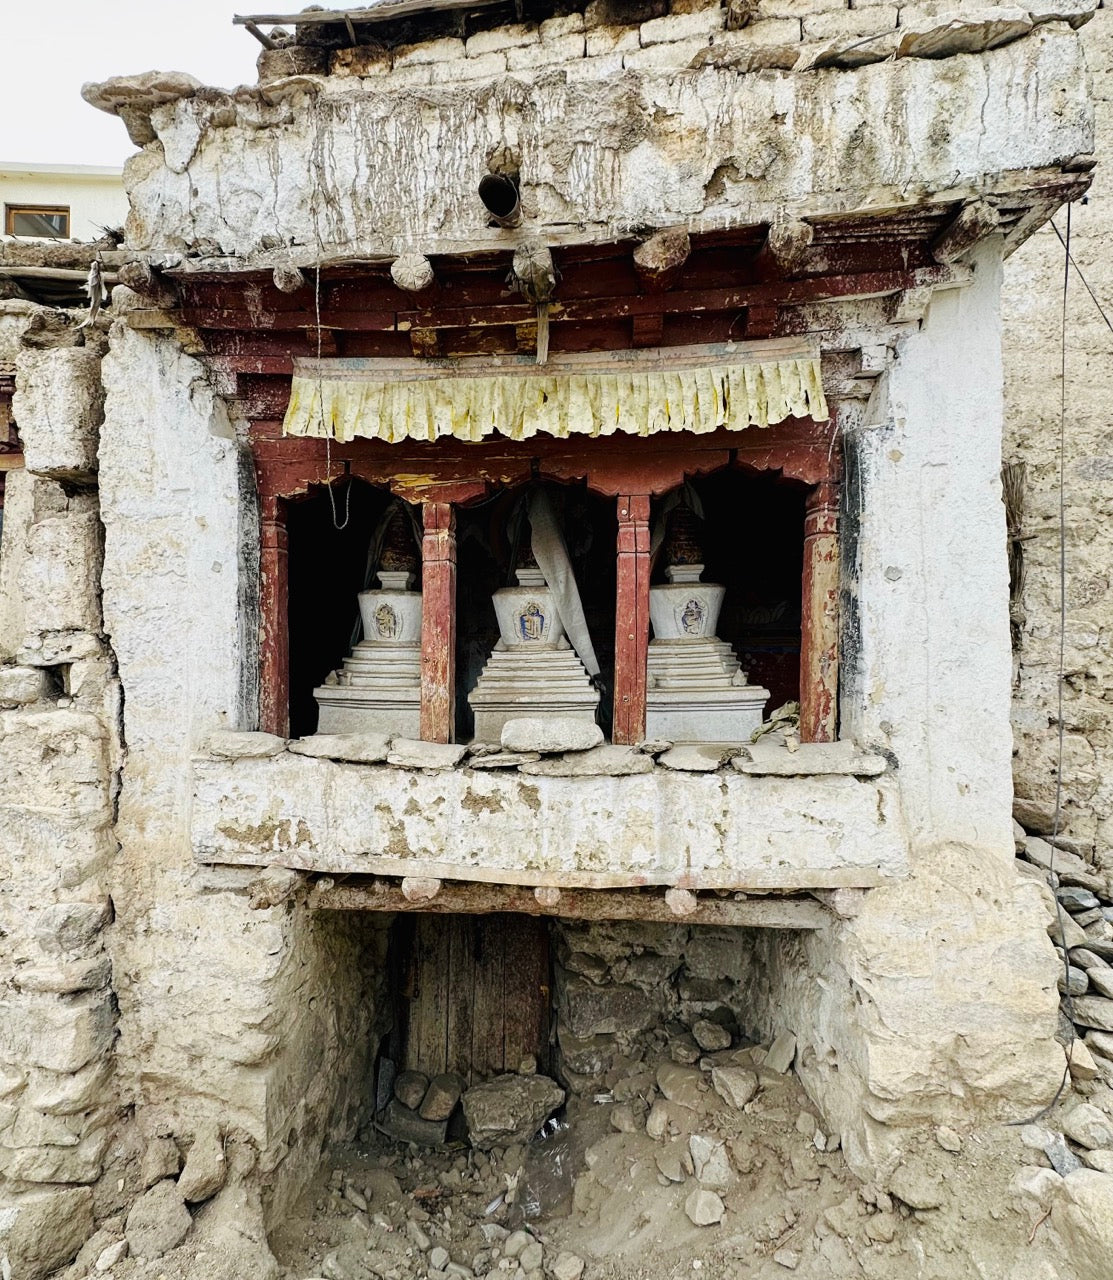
570	396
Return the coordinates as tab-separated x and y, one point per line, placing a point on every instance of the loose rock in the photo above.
509	1109
204	1171
158	1221
1088	1126
1083	1214
735	1085
567	1266
711	1036
410	1088
782	1052
704	1208
441	1097
409	753
356	748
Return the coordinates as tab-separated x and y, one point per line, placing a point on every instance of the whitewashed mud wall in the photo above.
900	1028
1032	309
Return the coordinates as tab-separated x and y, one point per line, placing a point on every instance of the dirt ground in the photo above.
596	1190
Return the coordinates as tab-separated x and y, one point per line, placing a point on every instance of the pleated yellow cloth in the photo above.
523	401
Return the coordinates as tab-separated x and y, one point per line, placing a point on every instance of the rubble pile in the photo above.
1079	899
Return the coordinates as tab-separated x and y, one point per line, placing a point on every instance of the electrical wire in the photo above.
1079	272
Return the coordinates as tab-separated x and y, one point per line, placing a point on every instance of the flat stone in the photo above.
1100	947
439	1258
1100	979
509	1109
711	1036
1093	1011
605	761
1063	931
410	1088
781	1053
229	744
1101	1043
355	748
944	39
1045	855
1088	1126
442	1096
1076	899
503	760
550	733
1034	815
1100	1160
205	1167
407	1126
735	1085
681	1084
704	1208
1075	982
1086	958
409	753
915	1188
695	759
684	1049
809	758
107	1258
710	1162
158	1221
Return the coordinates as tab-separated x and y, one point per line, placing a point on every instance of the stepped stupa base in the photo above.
530	682
697	693
378	691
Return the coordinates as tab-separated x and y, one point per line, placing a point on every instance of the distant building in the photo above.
60	201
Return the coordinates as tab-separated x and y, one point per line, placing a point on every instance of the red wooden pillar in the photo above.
631	634
274	627
438	622
819	630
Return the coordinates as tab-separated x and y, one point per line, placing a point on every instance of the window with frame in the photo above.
38	221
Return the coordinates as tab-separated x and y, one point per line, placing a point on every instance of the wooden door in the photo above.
475	994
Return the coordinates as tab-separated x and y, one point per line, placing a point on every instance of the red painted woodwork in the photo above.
631	624
819	633
274	630
438	622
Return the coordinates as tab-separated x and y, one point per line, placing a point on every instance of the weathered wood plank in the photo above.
438	622
819	626
577	904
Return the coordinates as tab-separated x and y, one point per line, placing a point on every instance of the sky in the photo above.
51	48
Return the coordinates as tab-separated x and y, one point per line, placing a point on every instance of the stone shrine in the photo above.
697	691
533	669
378	689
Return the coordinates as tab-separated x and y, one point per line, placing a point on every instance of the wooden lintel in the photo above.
11	461
467	898
648	330
154	318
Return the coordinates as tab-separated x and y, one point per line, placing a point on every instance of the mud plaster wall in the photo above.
255	1016
1032	311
